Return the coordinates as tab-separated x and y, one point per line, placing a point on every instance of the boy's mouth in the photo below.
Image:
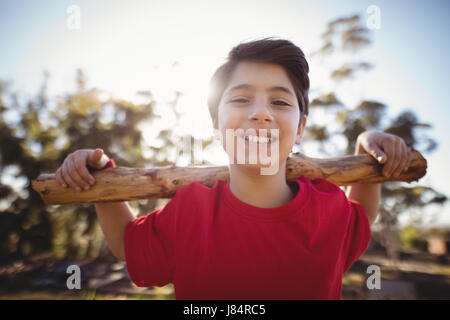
251	138
257	139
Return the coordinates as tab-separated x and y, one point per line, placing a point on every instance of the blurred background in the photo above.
131	77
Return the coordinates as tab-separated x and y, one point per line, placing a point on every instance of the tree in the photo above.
44	132
343	38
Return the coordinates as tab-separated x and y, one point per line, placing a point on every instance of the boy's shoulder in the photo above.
323	189
197	189
329	198
323	185
319	184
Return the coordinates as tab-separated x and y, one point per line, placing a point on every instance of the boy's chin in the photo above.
270	168
251	165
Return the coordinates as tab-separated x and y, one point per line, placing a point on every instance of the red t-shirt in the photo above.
211	245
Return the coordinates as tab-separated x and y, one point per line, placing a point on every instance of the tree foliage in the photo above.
344	38
37	137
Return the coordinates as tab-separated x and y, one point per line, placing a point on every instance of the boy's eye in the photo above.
239	100
283	103
277	102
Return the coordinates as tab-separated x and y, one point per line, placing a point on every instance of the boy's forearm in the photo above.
113	218
368	195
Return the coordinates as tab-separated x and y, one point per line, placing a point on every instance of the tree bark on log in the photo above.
125	184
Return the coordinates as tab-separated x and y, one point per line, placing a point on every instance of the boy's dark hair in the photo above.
269	50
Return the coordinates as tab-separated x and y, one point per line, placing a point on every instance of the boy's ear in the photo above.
300	130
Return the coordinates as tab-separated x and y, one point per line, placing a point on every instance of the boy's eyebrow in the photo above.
247	86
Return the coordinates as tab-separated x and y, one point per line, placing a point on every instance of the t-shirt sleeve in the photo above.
357	237
150	246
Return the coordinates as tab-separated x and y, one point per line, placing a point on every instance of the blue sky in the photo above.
126	46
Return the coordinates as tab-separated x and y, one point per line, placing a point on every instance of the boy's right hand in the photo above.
74	170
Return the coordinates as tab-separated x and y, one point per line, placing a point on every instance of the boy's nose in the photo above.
261	114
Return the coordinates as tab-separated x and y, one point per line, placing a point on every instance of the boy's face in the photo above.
257	105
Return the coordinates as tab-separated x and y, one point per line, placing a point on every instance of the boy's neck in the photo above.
264	191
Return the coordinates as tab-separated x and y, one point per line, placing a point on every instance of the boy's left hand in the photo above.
389	149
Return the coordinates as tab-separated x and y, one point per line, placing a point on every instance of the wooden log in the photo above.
125	184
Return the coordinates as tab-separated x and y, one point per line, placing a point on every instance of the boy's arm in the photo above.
368	195
388	149
113	218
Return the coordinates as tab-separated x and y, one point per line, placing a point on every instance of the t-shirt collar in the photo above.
278	213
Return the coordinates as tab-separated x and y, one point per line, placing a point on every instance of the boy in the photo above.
256	236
